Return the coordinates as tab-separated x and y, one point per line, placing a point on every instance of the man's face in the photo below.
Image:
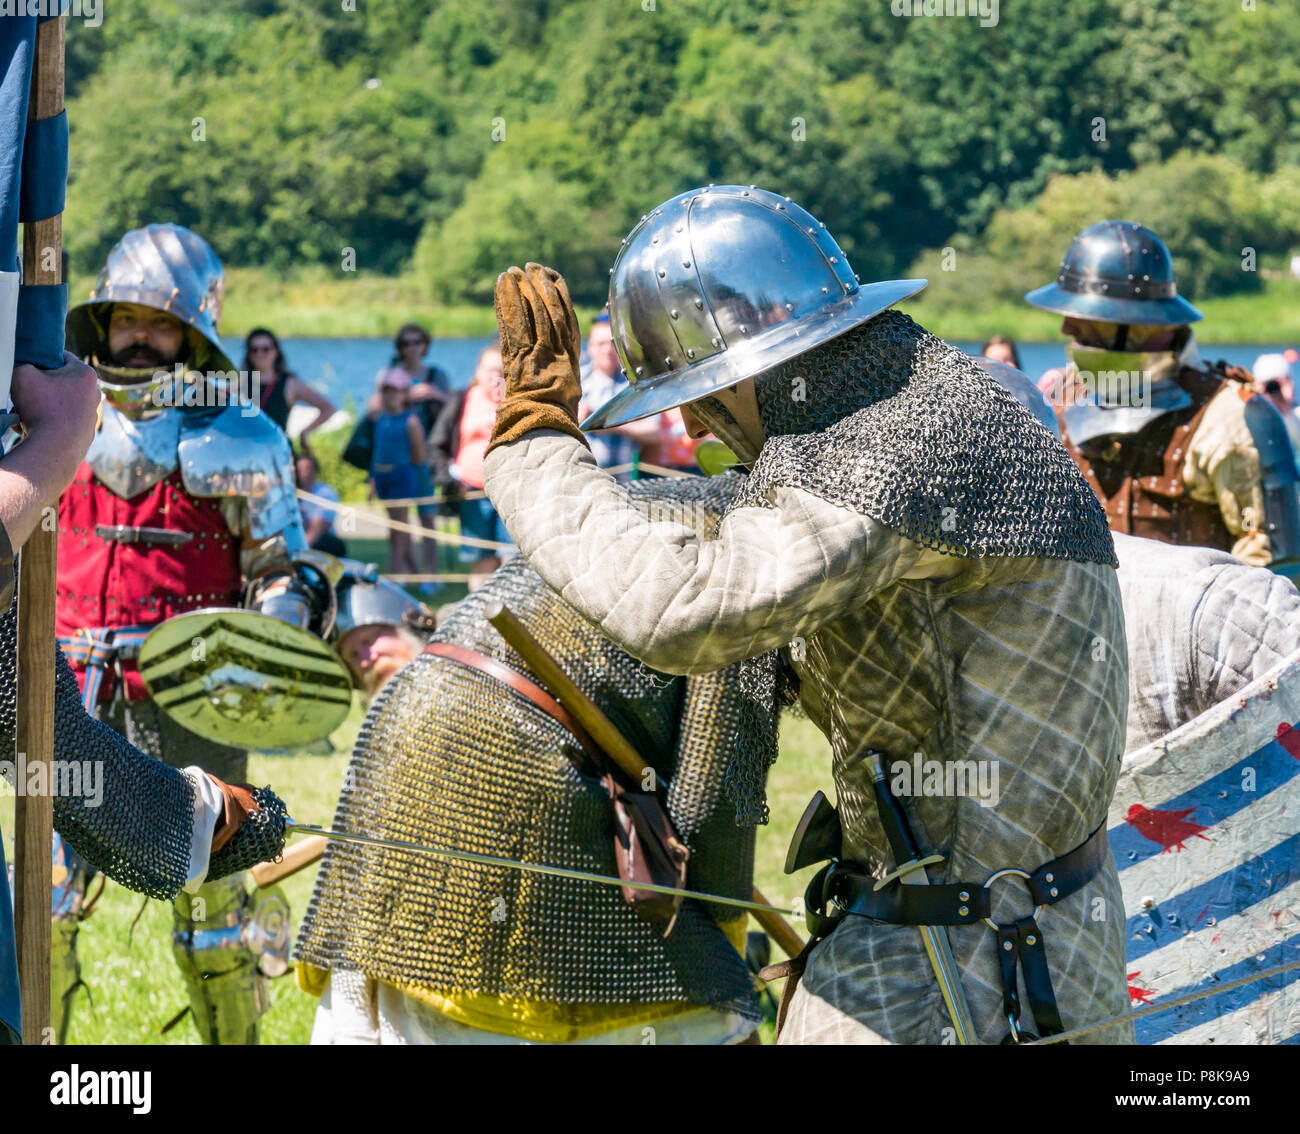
375	654
306	469
1096	333
139	337
600	349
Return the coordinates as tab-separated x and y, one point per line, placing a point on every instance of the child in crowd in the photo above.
398	450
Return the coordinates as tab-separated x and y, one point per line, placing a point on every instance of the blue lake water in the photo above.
345	369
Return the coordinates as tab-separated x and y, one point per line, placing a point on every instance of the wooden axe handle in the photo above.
587	713
777	928
605	733
296	858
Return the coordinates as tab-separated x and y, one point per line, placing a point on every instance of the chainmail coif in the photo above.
897	425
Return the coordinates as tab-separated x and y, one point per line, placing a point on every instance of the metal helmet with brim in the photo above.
721	284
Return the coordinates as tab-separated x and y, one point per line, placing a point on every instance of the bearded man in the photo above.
184	499
1175	449
463	750
920	549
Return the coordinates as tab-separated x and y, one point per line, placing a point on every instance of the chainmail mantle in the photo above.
897	425
450	757
139	832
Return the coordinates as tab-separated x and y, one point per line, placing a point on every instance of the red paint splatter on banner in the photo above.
1168	828
1138	995
1289	738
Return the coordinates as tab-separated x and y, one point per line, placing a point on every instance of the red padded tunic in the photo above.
107	584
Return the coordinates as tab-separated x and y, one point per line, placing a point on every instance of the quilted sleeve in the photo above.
680	603
1246	622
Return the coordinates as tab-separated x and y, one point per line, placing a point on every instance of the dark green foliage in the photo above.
457	136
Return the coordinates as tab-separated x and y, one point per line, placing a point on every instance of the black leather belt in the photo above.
121	533
843	888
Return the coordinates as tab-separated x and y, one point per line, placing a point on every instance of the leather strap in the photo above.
96	651
853	891
1023	941
1056	880
123	533
529	690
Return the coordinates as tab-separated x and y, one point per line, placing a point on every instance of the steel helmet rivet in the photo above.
739	243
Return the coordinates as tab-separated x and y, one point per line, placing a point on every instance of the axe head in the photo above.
817	838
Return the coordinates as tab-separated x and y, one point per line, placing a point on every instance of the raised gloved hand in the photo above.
250	830
539	354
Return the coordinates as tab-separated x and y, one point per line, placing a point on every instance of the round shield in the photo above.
245	679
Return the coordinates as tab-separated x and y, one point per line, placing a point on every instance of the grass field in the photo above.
134	986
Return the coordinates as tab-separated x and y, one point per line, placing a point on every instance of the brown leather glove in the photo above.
539	354
238	806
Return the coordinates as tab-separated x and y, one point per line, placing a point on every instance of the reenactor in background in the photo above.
185	499
1175	449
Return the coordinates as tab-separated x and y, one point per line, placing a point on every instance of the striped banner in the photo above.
1205	829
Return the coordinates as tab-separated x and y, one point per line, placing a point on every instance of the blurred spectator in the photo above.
1273	377
602	378
1002	349
398	450
430	389
673	448
457	448
318	519
281	389
430	386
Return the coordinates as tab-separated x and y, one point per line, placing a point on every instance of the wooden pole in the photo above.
605	733
297	857
34	813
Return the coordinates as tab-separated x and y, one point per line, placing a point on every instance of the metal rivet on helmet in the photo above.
1098	278
735	263
163	266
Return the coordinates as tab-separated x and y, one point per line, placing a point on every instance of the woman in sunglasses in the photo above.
430	389
281	389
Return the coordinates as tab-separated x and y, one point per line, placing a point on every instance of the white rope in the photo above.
1176	1002
402	526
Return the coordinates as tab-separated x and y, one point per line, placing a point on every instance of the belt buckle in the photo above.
1002	874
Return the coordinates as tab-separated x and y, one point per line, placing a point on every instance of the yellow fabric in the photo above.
535	1020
